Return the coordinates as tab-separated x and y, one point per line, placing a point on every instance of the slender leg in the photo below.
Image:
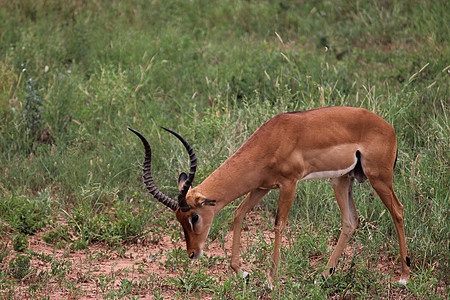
342	187
247	204
386	193
284	205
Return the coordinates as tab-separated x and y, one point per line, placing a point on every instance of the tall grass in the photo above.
73	77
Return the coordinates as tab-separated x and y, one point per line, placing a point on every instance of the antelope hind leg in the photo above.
342	187
390	200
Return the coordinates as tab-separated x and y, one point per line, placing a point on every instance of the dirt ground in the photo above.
90	269
99	268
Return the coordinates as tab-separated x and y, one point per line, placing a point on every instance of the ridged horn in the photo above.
193	167
147	176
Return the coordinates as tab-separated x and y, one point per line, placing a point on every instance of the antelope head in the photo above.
192	209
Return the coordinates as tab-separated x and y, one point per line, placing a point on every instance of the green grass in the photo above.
73	77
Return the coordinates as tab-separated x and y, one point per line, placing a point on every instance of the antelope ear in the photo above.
209	202
181	180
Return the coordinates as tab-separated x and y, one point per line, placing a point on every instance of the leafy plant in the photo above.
19	267
193	281
58	236
3	251
60	268
176	260
79	244
20	242
25	215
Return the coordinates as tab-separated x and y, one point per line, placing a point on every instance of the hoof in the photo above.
403	281
245	276
321	279
268	285
328	272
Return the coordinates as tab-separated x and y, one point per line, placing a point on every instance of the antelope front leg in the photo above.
247	204
284	205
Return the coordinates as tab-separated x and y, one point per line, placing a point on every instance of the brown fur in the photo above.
286	149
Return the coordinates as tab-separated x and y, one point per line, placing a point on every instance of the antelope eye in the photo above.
194	219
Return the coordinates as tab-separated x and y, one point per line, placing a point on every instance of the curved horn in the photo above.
147	175
193	162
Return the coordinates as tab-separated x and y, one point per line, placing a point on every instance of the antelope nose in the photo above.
195	253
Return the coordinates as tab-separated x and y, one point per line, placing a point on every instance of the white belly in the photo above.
330	173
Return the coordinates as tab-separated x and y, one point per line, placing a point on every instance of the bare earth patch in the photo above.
99	269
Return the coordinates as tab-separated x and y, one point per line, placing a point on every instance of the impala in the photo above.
341	143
